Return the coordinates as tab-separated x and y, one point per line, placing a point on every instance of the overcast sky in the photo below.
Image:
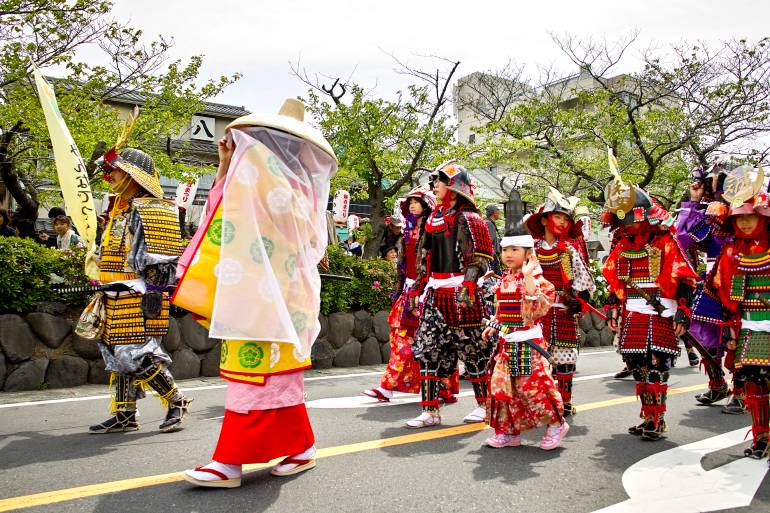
335	37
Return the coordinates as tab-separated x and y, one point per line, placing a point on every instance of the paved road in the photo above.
368	462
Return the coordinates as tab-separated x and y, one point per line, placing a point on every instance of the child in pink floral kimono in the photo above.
523	394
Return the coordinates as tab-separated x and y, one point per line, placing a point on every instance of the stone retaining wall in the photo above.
40	349
595	331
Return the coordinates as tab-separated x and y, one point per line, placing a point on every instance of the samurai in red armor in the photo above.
403	372
651	284
453	255
742	281
557	241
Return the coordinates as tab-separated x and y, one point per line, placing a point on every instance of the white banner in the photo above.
70	168
185	193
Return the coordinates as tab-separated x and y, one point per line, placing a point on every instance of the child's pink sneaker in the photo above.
500	440
553	436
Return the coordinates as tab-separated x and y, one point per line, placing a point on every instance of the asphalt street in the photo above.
369	462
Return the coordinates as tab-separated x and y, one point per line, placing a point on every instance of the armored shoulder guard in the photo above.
482	242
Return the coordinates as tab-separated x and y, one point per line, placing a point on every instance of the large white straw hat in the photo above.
290	119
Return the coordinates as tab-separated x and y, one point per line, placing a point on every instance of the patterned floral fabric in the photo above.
564	355
534	404
403	372
535	396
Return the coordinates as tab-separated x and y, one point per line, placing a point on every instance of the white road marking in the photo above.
593	376
215	387
362	401
674	480
186	389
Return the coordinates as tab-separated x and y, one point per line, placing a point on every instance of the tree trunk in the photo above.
26	200
377	219
182	222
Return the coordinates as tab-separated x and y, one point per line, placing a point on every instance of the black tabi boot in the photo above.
734	406
177	411
161	380
124	406
623	373
713	395
121	422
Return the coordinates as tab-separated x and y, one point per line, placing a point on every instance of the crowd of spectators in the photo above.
61	234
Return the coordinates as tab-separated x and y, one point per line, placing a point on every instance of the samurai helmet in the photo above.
456	178
742	184
627	204
554	202
424	195
136	163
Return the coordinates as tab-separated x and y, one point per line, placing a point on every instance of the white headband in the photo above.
522	241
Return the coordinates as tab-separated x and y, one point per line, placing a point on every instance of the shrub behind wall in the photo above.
373	282
25	274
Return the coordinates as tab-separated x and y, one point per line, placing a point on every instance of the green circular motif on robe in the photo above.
274	165
299	320
291	266
223	353
250	355
256	254
221	232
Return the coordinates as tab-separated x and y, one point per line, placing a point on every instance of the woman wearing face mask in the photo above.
646	261
740	281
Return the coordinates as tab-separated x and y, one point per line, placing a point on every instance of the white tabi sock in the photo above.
308	454
231	471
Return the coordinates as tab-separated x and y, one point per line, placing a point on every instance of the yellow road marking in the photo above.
79	492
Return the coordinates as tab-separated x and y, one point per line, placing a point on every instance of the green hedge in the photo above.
26	270
599	297
373	282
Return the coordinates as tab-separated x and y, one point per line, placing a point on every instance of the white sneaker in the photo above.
425	419
477	415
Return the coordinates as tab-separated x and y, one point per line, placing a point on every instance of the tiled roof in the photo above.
194	146
121	95
131	97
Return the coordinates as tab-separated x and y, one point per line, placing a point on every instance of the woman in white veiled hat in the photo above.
251	274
